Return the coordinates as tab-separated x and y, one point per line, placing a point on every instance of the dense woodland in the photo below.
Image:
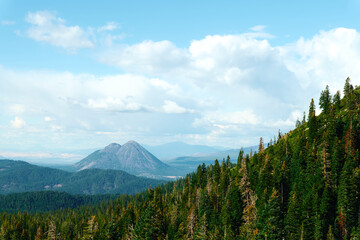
304	185
20	176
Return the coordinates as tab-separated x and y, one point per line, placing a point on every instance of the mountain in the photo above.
179	149
19	176
105	158
131	157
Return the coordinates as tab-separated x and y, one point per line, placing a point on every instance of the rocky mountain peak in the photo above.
112	147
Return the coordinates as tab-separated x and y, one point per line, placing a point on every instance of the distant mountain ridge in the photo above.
19	176
131	157
191	162
179	149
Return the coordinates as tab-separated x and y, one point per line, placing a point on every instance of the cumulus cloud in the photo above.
269	85
221	89
47	28
173	107
17	122
325	58
115	104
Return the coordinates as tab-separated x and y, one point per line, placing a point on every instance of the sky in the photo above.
82	74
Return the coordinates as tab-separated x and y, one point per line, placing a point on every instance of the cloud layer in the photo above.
224	90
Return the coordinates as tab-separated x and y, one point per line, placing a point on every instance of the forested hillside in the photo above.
44	201
304	185
20	176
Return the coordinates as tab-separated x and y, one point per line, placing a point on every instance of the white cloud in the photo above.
173	107
232	72
225	120
173	90
258	28
17	122
234	89
163	56
115	104
108	27
48	28
327	58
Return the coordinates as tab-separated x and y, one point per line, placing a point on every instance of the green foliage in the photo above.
325	100
312	123
19	176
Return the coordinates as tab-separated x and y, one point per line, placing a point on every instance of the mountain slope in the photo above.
131	157
19	176
105	158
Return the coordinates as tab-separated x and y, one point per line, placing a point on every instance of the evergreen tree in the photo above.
249	197
348	88
240	158
274	222
217	171
325	100
312	123
336	101
202	229
293	218
261	145
91	230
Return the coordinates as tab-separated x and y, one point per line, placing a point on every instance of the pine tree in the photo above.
191	224
51	233
39	233
336	101
304	119
261	145
202	229
326	163
327	214
325	100
293	218
347	87
249	197
228	163
112	229
330	234
240	158
348	96
91	229
312	123
274	222
217	171
347	194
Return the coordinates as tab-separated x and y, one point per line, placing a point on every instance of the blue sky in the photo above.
77	75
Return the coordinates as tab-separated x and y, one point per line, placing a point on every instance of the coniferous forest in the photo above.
301	185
